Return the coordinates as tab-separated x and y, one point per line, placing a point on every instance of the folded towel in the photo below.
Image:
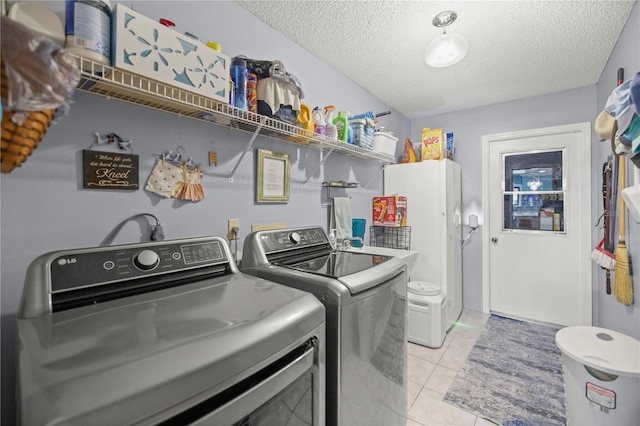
342	217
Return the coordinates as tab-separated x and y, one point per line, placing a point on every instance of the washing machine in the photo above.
365	297
168	332
427	314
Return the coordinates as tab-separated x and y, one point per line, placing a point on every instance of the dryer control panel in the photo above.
294	238
67	279
92	267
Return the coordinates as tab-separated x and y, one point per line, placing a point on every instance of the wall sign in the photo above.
110	170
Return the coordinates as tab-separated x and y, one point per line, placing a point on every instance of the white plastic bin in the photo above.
427	314
385	142
601	376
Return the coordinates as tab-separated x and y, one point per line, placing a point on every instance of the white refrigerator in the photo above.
433	191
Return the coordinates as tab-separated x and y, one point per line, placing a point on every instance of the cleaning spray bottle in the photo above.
332	238
329	116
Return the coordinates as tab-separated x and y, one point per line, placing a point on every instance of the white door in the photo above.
537	234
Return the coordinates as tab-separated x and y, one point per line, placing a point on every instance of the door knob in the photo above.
494	240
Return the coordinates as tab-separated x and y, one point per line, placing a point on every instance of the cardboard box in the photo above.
146	47
449	151
433	144
390	211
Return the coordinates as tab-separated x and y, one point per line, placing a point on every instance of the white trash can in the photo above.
427	314
601	376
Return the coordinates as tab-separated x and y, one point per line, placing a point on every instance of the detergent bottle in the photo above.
305	120
342	126
318	117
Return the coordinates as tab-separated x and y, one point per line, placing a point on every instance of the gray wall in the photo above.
607	311
581	105
469	126
44	206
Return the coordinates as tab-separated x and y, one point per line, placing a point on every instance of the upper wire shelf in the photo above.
114	83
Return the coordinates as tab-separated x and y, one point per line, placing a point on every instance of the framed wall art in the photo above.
272	184
110	170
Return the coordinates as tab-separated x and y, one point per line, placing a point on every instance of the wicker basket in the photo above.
19	141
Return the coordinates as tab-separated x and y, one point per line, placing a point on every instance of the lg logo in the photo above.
63	262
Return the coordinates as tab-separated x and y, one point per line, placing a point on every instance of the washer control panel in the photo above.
103	265
283	239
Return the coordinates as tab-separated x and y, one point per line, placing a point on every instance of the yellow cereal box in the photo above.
433	144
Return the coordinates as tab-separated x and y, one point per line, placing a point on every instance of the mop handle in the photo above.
623	173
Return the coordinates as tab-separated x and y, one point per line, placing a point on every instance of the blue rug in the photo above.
513	375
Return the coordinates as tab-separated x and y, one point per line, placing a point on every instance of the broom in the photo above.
622	287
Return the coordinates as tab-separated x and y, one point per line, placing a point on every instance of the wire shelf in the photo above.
390	237
339	184
113	83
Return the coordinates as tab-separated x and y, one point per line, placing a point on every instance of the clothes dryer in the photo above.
165	333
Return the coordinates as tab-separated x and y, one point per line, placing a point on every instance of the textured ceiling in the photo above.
517	49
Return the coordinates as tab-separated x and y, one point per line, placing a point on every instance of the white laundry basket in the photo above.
601	376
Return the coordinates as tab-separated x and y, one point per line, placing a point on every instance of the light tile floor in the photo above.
431	371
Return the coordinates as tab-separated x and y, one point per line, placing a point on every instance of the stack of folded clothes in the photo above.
279	92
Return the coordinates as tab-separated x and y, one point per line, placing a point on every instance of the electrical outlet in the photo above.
157	233
232	223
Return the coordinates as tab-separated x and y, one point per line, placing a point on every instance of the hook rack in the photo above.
336	185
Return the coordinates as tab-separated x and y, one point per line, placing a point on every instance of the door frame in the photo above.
584	129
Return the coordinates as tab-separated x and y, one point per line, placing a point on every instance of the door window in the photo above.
534	191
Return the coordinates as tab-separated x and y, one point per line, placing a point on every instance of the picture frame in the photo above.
272	177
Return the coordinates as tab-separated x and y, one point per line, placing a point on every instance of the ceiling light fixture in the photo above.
447	49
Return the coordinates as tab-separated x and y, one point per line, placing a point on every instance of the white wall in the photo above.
44	206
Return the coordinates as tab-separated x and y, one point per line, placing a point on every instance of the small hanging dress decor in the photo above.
189	188
164	177
172	177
